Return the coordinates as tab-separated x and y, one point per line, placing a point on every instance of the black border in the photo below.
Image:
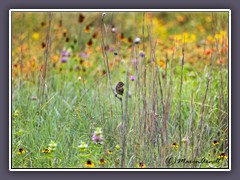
136	169
5	5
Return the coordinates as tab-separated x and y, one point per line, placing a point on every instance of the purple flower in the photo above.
84	55
111	49
142	54
97	136
97	139
135	62
132	78
64	59
64	53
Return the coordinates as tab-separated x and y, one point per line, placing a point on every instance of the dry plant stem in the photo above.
125	123
180	102
46	54
124	115
191	129
106	54
163	131
21	50
201	128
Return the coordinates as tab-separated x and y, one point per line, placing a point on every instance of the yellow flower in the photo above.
21	151
117	147
55	58
102	161
46	151
215	142
161	63
89	164
35	36
223	156
174	145
141	165
109	152
84	81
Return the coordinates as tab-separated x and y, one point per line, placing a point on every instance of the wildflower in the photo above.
117	147
87	28
161	63
64	53
135	62
46	151
174	145
64	32
142	54
137	40
104	14
89	164
98	136
111	49
132	78
21	151
219	62
102	161
64	59
223	156
83	146
141	165
52	146
185	140
109	152
79	77
81	18
84	81
67	39
90	43
113	29
130	40
215	142
35	36
122	37
55	59
208	51
94	36
98	131
43	24
43	45
84	55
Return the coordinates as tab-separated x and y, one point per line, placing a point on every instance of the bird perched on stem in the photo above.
119	88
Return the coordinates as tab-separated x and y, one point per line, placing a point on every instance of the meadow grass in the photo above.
174	106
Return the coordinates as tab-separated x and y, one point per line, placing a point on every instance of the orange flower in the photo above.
208	51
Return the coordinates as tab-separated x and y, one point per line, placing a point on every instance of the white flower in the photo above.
83	146
137	40
103	14
52	146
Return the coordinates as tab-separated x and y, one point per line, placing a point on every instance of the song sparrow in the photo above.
119	88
